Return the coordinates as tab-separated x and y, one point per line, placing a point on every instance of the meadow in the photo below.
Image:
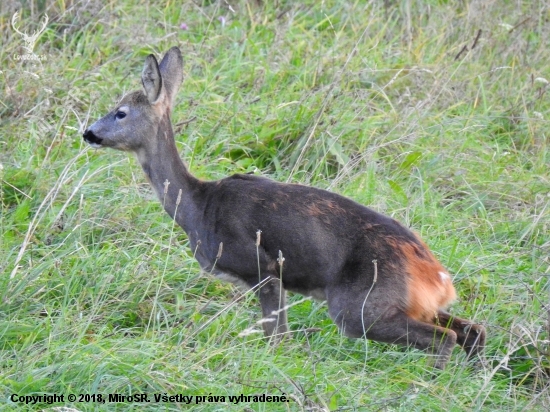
434	112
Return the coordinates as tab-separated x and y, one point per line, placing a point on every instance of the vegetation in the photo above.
434	112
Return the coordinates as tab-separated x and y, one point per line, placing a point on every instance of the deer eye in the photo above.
120	115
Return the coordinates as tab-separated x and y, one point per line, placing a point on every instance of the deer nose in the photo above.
91	138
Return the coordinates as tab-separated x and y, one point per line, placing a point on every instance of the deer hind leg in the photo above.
393	326
469	335
273	301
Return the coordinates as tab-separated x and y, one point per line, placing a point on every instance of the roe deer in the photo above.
379	279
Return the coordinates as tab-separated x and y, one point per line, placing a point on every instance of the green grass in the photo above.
385	102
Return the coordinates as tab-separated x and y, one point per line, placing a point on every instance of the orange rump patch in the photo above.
429	286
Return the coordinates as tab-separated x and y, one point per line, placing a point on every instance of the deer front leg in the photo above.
273	301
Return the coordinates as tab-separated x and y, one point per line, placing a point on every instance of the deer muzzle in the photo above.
92	139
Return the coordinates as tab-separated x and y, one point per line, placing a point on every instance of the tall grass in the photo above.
434	112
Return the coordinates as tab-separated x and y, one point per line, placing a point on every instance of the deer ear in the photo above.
171	69
151	79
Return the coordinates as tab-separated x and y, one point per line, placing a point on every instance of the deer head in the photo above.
136	120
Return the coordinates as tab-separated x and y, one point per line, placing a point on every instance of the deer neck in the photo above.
168	175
